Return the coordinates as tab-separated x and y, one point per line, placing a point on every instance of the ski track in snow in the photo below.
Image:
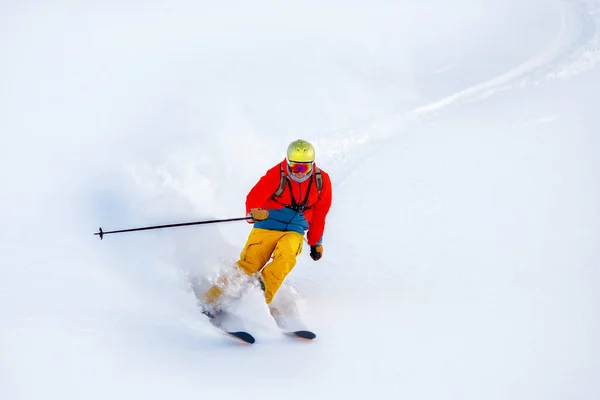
573	21
576	49
575	43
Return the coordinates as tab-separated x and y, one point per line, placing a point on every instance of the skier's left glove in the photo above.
316	252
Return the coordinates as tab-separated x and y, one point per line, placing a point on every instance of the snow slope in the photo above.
461	250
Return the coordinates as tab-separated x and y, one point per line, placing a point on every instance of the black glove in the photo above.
316	252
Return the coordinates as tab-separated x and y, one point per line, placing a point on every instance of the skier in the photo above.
293	197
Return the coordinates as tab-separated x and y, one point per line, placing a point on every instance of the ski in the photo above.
242	336
290	322
302	334
223	322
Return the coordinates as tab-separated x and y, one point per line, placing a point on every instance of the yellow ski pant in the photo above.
262	244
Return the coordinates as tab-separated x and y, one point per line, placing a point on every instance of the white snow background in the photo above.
461	254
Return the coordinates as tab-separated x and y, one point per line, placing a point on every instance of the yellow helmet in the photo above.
301	151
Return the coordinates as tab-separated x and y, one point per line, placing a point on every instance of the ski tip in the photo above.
304	335
243	336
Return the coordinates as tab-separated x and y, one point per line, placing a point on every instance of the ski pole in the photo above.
101	233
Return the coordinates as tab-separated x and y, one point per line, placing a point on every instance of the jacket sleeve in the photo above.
320	210
264	188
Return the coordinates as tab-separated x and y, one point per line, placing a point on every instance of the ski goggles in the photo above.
299	167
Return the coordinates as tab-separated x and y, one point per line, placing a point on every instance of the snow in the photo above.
461	252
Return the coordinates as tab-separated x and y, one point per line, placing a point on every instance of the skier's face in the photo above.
299	175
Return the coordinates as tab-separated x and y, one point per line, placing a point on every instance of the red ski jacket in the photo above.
300	207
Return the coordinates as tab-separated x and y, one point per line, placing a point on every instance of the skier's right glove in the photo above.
316	252
258	214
